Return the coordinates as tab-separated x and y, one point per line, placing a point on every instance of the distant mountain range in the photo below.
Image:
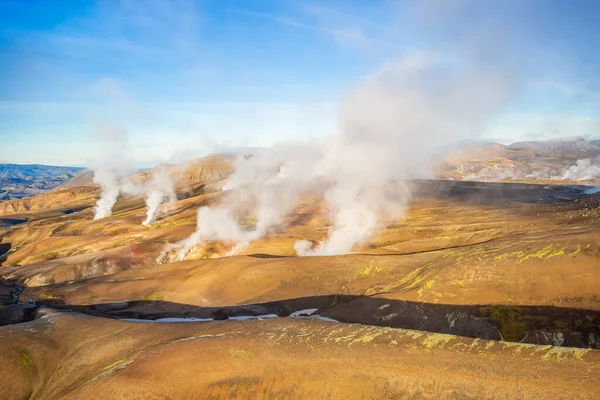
18	181
552	161
469	160
577	144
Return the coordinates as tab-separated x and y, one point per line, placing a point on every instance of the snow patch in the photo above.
300	314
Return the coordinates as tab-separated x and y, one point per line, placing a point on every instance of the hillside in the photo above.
522	162
565	161
83	178
74	356
18	181
500	277
473	275
209	168
576	144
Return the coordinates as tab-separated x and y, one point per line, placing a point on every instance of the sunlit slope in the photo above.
81	357
497	253
535	162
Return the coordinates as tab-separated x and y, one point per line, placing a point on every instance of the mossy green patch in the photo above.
112	367
153	296
334	301
540	255
413	279
564	353
239	352
435	339
510	320
556	253
370	270
26	360
119	364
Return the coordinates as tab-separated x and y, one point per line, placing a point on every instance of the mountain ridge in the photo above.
25	180
18	181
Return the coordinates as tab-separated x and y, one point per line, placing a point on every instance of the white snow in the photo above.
303	313
245	317
168	320
300	314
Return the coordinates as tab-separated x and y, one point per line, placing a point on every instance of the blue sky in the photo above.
188	77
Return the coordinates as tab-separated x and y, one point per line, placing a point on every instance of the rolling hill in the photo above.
530	162
18	181
481	290
577	144
498	277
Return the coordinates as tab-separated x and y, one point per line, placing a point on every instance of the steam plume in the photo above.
583	170
158	190
265	185
109	185
390	127
112	173
113	166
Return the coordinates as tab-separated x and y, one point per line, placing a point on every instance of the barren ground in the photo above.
483	291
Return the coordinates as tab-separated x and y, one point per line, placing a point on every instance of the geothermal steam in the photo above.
109	185
112	172
584	169
159	190
389	128
266	185
112	169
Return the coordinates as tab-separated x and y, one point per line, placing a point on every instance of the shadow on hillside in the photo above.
264	255
537	325
495	192
6	223
4	250
74	210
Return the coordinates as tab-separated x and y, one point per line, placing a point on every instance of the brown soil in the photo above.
73	356
433	306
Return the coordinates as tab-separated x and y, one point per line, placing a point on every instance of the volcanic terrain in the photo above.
483	290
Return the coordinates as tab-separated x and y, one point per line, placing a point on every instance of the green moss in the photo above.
510	320
334	301
239	352
45	256
119	364
541	318
115	366
434	339
369	270
153	296
26	360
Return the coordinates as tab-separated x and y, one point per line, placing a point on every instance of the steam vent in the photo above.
314	199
